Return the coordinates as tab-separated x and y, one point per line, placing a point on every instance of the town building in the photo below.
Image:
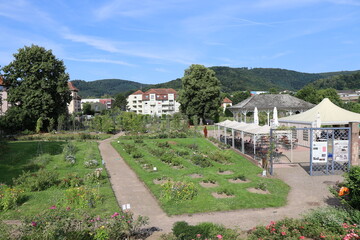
349	95
156	101
4	104
99	104
75	104
226	103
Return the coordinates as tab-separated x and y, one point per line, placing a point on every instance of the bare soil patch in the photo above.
172	143
227	172
196	175
208	184
222	195
238	181
256	190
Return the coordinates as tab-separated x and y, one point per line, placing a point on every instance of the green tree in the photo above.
37	87
239	96
200	95
86	108
120	101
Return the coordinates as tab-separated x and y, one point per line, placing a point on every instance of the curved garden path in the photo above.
306	193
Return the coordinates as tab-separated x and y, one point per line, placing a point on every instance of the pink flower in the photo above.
68	208
301	237
198	235
283	233
115	214
33	224
219	236
98	218
53	207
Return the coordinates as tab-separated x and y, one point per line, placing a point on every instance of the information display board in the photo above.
319	152
341	150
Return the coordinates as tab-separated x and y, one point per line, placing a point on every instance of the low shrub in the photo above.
163	144
220	157
82	197
70	159
37	181
68	223
193	146
157	152
69	149
184	231
181	153
137	154
10	197
209	180
71	180
91	163
261	186
129	148
352	182
201	161
94	176
240	177
42	160
178	191
138	140
226	191
302	229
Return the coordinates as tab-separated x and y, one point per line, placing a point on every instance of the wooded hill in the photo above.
232	79
103	87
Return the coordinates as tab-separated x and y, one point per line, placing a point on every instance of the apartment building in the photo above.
156	101
99	104
75	104
4	104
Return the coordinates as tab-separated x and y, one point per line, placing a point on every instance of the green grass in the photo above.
20	156
204	201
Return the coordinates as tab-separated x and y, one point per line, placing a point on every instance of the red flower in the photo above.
301	237
283	233
53	207
33	224
115	214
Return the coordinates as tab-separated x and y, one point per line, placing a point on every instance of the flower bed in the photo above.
200	161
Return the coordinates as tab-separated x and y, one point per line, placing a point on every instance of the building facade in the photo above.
153	102
349	95
99	104
75	104
4	104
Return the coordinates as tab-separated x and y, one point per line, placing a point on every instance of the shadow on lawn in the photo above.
18	157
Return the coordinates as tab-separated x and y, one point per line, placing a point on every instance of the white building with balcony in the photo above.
153	102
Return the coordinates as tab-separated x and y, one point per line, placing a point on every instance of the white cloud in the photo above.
101	60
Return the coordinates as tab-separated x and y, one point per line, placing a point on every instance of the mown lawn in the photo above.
31	155
204	201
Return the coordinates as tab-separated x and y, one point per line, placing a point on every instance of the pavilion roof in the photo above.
269	101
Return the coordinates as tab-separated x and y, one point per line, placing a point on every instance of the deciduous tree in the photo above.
37	87
200	94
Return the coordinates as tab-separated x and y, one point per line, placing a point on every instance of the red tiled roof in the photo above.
72	87
137	92
161	91
226	100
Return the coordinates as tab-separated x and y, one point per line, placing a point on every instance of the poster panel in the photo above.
341	150
319	152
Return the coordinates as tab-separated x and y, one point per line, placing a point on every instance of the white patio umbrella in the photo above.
275	117
318	121
256	116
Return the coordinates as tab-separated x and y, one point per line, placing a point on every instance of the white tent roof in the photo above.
261	130
330	114
224	123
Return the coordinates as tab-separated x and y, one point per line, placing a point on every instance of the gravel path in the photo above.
306	193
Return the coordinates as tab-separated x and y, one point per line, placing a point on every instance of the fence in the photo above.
320	151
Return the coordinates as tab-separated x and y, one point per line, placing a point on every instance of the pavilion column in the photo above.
268	117
233	138
242	142
218	132
354	143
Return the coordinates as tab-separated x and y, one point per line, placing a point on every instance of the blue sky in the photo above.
153	41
